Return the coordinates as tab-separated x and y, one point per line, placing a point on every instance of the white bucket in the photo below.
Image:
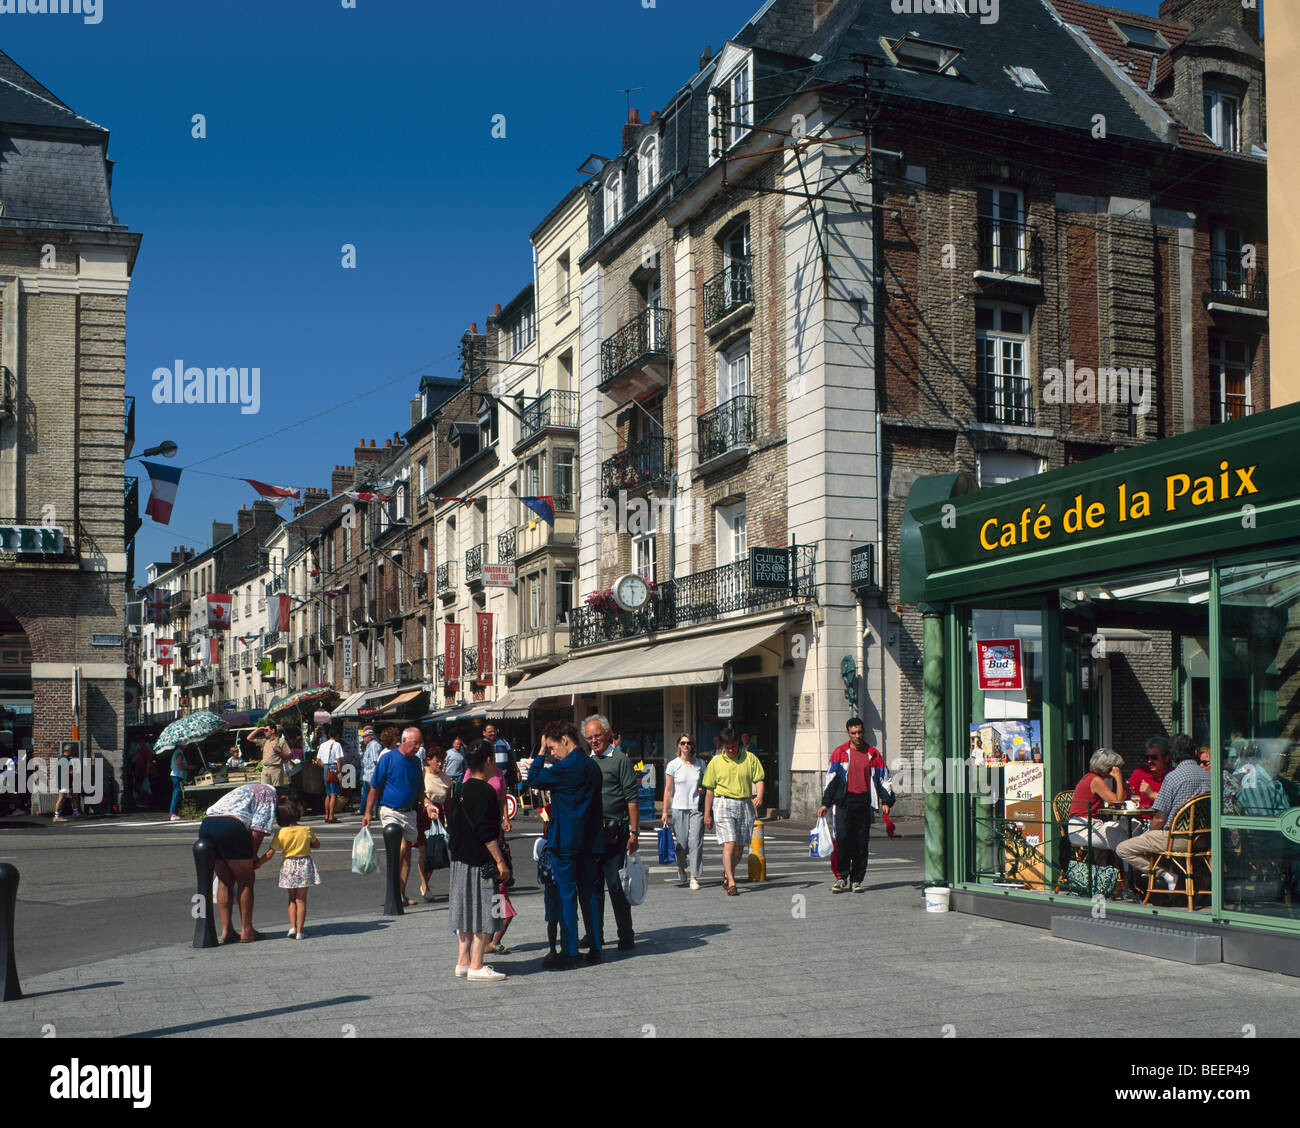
936	899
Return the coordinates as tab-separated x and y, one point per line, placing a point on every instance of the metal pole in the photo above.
8	902
205	932
393	895
936	861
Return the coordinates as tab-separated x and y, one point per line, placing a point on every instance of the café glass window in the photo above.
1258	761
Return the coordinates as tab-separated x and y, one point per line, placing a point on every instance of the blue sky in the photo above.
329	126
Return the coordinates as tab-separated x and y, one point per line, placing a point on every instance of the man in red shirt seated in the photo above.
1145	782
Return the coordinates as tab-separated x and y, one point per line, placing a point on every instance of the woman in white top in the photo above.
682	808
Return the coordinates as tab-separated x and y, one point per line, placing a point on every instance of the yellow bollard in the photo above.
757	862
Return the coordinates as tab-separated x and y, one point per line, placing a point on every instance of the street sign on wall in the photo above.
862	568
499	575
769	567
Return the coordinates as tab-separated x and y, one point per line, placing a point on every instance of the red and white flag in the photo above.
483	625
277	613
369	495
276	495
219	612
334	593
166	647
156	602
214	651
249	639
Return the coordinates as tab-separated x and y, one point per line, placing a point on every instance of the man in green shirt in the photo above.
733	787
621	821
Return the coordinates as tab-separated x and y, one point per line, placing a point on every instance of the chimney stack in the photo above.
244	519
706	56
221	530
630	130
342	480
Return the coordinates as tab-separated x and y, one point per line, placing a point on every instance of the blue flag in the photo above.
543	506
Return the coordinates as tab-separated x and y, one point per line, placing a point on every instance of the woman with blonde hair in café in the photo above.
1102	785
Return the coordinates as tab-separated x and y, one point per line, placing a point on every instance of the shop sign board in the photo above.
862	568
769	567
1000	667
43	539
499	575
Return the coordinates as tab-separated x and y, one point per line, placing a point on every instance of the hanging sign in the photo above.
483	675
451	658
999	663
499	575
769	567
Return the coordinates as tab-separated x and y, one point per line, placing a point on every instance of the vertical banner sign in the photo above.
484	625
347	659
999	663
451	658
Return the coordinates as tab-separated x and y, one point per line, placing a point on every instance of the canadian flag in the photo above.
277	614
165	649
219	612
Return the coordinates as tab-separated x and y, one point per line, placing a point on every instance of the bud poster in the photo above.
999	663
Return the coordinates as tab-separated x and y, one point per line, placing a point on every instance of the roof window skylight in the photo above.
1026	78
1135	35
921	55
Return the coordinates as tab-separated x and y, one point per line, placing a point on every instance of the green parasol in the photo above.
190	729
304	701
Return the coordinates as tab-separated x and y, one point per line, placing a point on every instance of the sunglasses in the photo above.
685	744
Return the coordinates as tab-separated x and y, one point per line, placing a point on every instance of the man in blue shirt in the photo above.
573	779
398	785
455	766
505	758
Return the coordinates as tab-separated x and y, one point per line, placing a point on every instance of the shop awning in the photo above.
1124	640
688	661
396	705
348	706
508	707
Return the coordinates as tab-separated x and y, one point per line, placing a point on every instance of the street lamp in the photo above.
166	448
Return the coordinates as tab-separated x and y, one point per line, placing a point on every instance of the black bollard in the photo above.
393	848
205	930
8	901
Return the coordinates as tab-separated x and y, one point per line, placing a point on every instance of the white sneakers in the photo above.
484	975
695	883
462	970
1171	882
176	818
291	934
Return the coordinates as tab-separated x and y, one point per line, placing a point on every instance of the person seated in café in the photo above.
1186	781
1144	783
1102	785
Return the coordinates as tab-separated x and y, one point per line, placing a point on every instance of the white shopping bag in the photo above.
635	879
820	841
363	852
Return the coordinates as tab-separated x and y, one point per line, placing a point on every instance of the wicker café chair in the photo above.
1061	811
1186	853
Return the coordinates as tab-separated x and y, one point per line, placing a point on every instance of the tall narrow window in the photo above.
1001	342
1001	235
565	593
563	281
613	200
562	486
1229	379
742	108
732	542
647	167
1222	109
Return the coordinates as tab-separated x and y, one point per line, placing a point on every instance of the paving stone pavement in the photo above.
786	958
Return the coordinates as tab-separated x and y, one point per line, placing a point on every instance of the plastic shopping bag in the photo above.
363	852
820	841
667	848
635	879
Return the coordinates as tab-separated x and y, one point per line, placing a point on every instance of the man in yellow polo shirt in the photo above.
733	787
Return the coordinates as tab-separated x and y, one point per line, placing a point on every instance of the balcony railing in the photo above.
727	427
554	409
271	641
275	586
474	558
509	652
1230	281
506	547
445	578
469	664
728	290
648	462
390	605
701	597
646	336
326	633
1007	247
131	508
1005	399
128	424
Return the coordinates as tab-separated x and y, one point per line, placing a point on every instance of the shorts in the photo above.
733	819
230	838
404	819
332	788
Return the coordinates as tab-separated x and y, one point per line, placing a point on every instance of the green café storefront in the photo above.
1151	592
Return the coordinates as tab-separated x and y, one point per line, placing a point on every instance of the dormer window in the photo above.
1146	38
921	55
1027	79
613	200
740	100
1222	106
647	167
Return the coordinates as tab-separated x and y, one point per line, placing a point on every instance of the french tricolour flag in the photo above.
163	481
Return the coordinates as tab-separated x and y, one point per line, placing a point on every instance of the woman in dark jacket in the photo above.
475	829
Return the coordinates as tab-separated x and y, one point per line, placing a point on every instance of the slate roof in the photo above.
24	101
1026	34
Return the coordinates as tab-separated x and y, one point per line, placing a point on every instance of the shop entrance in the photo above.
754	711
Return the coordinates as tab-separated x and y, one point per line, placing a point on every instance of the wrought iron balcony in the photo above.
469	664
1232	282
326	633
275	586
647	337
445	579
128	424
648	462
131	508
506	547
272	641
553	409
727	427
474	558
1006	247
701	597
509	652
1005	399
728	290
437	670
390	605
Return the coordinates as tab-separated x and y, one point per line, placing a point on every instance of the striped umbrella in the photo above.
190	729
304	701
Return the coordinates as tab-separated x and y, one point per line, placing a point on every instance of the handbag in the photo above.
667	847
1103	879
435	848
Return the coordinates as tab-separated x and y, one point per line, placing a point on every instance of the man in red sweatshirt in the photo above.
856	772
